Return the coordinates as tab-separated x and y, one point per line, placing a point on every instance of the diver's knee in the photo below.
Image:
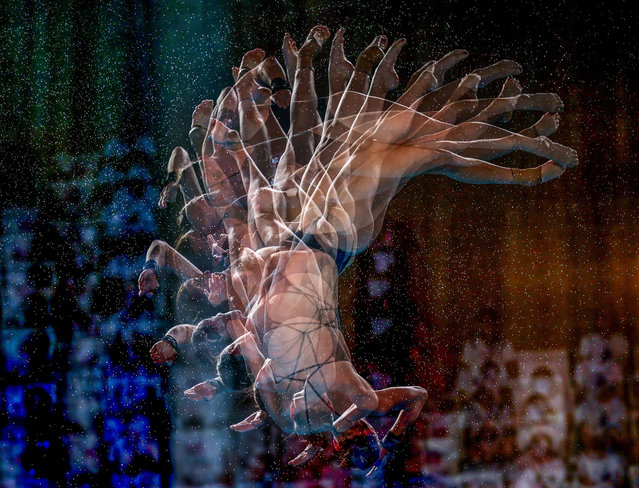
420	393
366	400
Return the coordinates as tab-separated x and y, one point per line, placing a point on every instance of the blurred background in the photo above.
516	308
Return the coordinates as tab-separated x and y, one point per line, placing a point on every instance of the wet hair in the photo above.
358	447
191	307
208	340
231	369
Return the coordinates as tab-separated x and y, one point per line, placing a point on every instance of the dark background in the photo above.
91	85
77	75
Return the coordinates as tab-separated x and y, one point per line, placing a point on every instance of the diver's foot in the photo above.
563	155
202	114
252	422
441	67
545	126
340	69
246	83
372	55
551	170
226	110
227	103
271	73
289	51
314	42
546	102
251	59
269	70
224	136
419	74
510	88
386	77
500	69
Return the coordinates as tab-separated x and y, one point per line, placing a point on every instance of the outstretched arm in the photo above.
161	255
164	349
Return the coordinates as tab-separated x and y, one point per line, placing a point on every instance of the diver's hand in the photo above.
202	391
252	422
163	352
148	282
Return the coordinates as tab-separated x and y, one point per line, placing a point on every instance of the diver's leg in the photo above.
304	115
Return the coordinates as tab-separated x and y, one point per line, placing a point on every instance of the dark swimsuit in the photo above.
342	259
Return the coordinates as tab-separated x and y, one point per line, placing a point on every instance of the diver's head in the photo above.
231	369
211	336
359	446
192	302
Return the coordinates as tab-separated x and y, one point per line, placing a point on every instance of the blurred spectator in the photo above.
540	465
80	346
595	467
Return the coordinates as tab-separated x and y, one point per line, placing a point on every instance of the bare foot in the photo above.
500	69
244	85
289	51
340	69
248	89
372	55
440	68
466	89
252	422
564	156
226	110
551	170
545	126
547	102
251	59
177	162
510	88
421	82
202	113
269	70
418	74
148	282
179	158
314	42
386	77
309	451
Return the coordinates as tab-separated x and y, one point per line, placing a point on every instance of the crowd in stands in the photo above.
78	387
83	405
